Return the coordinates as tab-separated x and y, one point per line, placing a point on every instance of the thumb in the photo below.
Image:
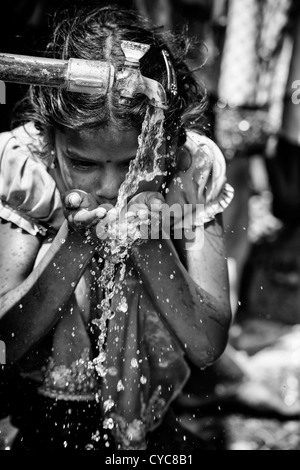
73	198
156	199
77	198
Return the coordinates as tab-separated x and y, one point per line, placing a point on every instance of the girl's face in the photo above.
96	161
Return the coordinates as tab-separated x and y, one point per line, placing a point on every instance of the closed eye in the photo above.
83	165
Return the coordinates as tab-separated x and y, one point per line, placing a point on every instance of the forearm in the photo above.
30	310
197	318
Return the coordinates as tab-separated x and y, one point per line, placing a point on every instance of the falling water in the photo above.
150	141
145	167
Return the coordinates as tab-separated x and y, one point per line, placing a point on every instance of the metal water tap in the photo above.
90	76
130	80
77	75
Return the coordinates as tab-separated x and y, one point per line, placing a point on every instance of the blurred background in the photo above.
246	53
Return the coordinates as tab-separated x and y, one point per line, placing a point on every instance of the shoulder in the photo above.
201	176
22	144
25	138
206	160
28	193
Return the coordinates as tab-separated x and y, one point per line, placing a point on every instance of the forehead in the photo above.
106	142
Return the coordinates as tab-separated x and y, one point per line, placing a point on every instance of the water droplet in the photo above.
89	447
134	363
108	405
120	386
112	371
108	423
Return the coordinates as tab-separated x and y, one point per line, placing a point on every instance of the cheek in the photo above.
77	180
67	174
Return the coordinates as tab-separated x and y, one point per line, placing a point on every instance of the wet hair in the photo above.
96	34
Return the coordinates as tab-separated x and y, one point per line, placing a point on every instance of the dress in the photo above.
145	363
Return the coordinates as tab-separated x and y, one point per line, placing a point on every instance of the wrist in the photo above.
74	240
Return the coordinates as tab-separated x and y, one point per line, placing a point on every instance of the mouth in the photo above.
104	201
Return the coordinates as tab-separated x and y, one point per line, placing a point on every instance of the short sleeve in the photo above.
29	197
204	182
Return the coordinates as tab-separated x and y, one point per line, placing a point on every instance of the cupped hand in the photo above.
134	220
148	200
82	211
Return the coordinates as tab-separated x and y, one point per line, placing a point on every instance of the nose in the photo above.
109	186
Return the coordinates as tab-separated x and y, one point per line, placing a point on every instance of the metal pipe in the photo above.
77	75
35	70
91	76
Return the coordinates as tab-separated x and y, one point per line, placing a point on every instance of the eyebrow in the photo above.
73	154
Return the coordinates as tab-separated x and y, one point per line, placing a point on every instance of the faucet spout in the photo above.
131	82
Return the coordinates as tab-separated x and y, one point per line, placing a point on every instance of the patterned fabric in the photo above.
29	196
239	71
254	71
145	364
253	40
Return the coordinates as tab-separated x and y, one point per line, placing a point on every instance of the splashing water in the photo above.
116	249
151	138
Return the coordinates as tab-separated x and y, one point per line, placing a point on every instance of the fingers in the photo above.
77	198
156	205
156	198
88	218
137	209
101	230
73	199
146	201
81	209
143	214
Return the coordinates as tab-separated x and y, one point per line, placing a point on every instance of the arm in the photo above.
195	304
30	301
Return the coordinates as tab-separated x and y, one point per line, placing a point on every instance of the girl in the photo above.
98	330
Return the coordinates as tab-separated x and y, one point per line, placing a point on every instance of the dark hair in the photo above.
96	34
